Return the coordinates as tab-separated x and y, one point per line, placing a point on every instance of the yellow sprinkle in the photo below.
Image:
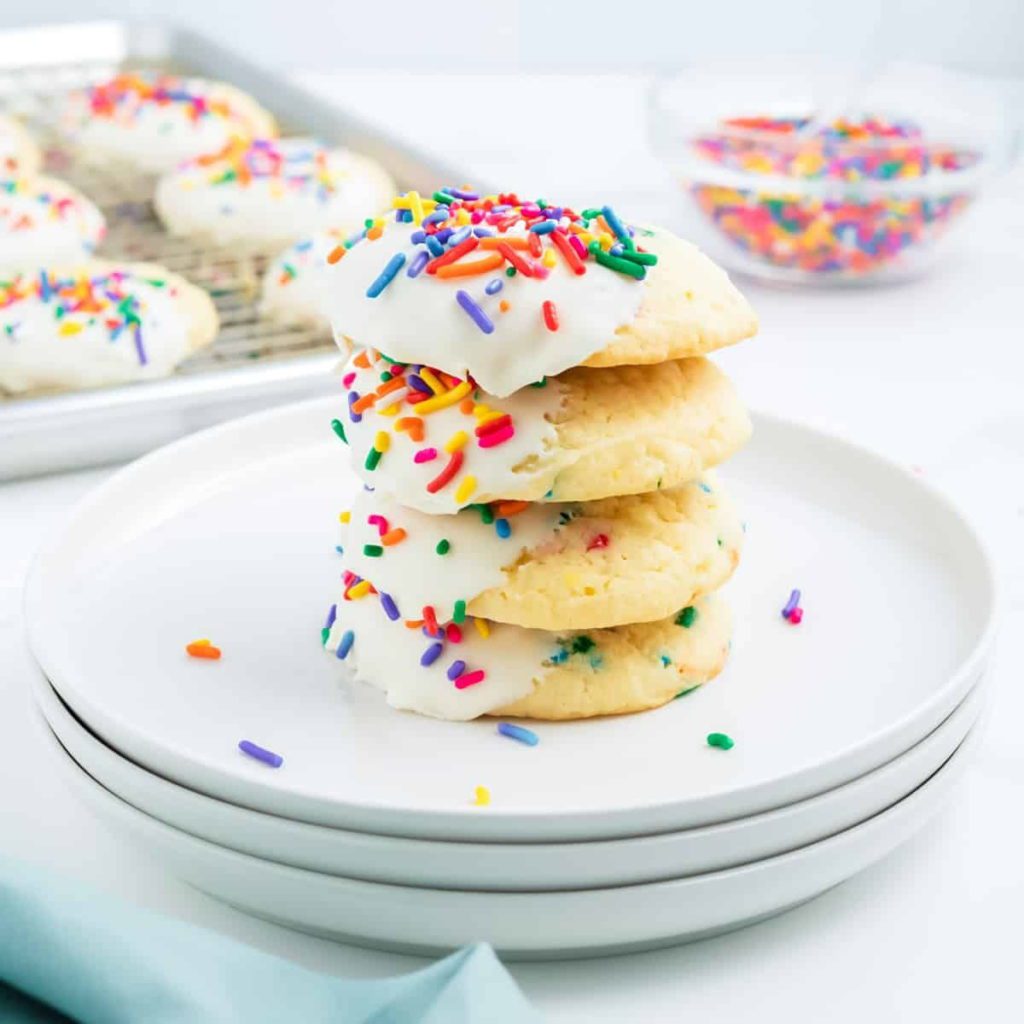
416	205
70	328
361	589
428	378
488	415
391	410
344	517
482	628
456	441
462	216
204	642
382	442
586	237
449	398
465	489
481	796
605	239
548	259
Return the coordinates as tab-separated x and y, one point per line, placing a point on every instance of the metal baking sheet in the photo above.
254	363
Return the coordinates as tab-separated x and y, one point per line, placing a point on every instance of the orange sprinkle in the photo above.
203	649
412	424
413	623
375	232
336	253
390	385
395	536
364	403
504	306
510	508
513	241
466	406
468	268
361	360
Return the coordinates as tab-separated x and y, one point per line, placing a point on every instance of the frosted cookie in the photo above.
546	566
153	122
265	194
294	289
98	323
45	221
478	668
19	154
508	292
438	444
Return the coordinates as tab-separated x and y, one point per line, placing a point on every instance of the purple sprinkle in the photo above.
518	732
332	614
476	314
355	417
138	345
443	235
387	275
260	753
495	286
459	194
439	214
616	250
418	383
431	654
791	604
456	668
387	602
460	236
417	265
417	237
435	247
347	640
482	232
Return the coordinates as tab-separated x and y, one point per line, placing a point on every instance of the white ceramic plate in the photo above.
230	534
511	867
520	925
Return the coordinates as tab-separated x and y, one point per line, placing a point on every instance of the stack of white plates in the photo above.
616	834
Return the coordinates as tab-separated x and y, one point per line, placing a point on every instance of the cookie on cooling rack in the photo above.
44	221
152	121
294	285
19	155
485	668
267	193
98	323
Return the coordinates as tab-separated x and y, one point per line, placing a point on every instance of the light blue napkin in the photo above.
69	952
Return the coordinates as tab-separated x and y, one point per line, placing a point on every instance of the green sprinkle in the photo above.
591	213
687	617
373	550
339	428
443	197
581	644
720	542
665	660
623	266
720	740
683	693
486	514
385	376
372	458
459	612
368	223
542	383
510	271
443	546
324	634
647	259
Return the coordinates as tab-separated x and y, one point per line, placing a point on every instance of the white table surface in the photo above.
932	372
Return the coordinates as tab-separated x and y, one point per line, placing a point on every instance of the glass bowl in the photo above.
827	173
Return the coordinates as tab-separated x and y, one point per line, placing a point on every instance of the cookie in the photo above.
437	444
19	155
508	292
265	194
549	566
44	221
152	121
98	323
294	289
482	668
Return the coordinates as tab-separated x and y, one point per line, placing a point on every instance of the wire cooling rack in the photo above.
134	232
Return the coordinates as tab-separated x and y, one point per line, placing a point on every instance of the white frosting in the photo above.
18	155
45	222
155	136
419	319
47	343
272	193
295	284
494	468
413	572
387	654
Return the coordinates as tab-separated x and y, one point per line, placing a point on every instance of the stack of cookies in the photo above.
529	407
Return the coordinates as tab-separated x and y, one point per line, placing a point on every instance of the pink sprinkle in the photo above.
469	679
796	616
600	541
425	455
539	270
496	437
581	249
380	522
453	633
348	378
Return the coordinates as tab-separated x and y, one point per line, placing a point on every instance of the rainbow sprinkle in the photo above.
258	753
518	732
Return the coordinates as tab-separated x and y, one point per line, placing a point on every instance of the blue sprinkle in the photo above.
455	669
394	265
518	732
545	227
259	753
481	232
387	602
347	640
417	237
417	265
431	654
476	314
704	487
357	237
560	656
435	247
665	660
443	235
614	223
440	213
332	614
355	417
617	250
503	528
303	246
495	286
460	236
339	549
